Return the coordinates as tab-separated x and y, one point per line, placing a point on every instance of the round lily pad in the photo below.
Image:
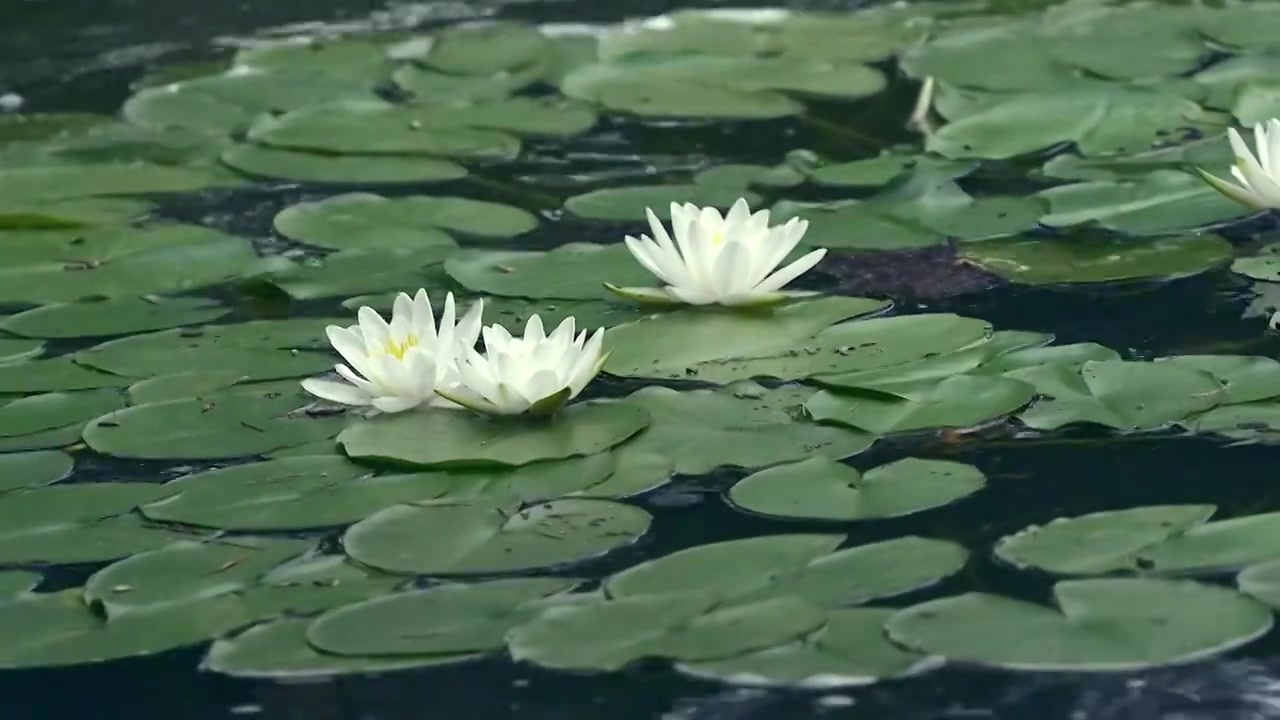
571	272
1245	378
1119	394
805	566
52	419
58	265
15	583
1103	625
186	570
442	620
462	439
824	489
1098	259
70	213
486	48
279	651
240	422
33	469
54	374
1162	538
365	221
1161	201
850	650
182	385
78	180
483	538
701	430
628	204
961	401
355	271
1262	581
344	169
119	316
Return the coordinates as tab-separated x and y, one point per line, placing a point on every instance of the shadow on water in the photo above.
83	55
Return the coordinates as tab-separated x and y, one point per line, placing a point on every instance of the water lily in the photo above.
1258	176
536	373
397	366
728	260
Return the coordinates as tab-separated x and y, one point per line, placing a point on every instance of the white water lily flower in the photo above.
536	373
728	260
1258	176
397	366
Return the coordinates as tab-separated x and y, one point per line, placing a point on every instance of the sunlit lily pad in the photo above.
364	221
354	271
1119	394
961	401
1159	202
570	272
701	430
1081	259
447	539
820	488
1245	378
1099	626
628	204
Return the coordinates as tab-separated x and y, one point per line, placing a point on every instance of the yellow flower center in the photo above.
717	238
398	350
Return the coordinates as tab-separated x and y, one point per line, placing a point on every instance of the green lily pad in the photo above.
54	374
185	571
239	422
1119	394
484	538
1159	202
514	312
628	204
376	127
970	358
1257	422
571	272
1265	266
78	523
442	620
119	316
1244	378
70	213
58	265
442	89
57	182
720	346
701	430
355	271
52	419
279	651
364	221
16	583
14	350
19	471
1098	259
961	401
534	117
57	629
182	385
1162	538
255	350
486	48
1098	119
1256	102
850	650
1075	354
1262	582
1104	625
821	488
1212	153
462	439
607	635
804	566
880	170
345	169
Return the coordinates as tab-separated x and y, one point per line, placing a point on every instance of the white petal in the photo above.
775	247
1240	194
736	220
1273	143
777	280
644	251
401	327
353	378
691	295
587	364
395	404
336	392
731	268
351	346
423	318
376	332
533	331
468	330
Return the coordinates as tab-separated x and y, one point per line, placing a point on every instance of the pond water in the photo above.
1030	311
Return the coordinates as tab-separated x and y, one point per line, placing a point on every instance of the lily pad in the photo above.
1262	582
628	204
33	469
484	538
347	169
16	583
1098	259
185	571
80	180
1104	625
354	271
58	266
462	439
571	272
1244	378
805	566
822	489
52	419
442	620
1162	538
70	213
851	650
182	385
1161	201
119	316
961	401
1119	394
279	651
365	221
239	422
701	430
723	346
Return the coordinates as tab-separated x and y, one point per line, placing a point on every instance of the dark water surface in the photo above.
63	55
